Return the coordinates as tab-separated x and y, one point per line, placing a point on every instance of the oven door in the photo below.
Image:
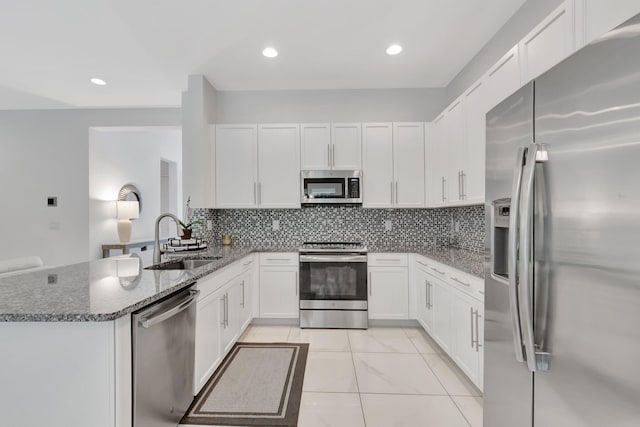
333	281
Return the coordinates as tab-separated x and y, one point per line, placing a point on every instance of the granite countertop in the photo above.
101	290
110	288
461	259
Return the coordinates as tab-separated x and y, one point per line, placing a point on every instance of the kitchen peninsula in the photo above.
66	331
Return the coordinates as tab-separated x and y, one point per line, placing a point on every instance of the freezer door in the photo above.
507	382
587	299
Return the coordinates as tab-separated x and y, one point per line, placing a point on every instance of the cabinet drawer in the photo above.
467	283
279	258
247	263
387	260
433	268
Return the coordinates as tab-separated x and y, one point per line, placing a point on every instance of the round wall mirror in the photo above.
131	193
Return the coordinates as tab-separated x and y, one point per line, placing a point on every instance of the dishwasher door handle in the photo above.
181	306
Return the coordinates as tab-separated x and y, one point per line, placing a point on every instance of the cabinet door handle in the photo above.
396	192
333	155
426	292
226	312
437	271
471	315
464	193
297	284
478	345
468	285
430	293
370	284
444	181
223	310
259	193
255	193
391	192
329	155
242	284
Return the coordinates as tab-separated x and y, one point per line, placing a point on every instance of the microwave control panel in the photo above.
354	188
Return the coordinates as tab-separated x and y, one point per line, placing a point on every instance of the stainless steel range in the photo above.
333	285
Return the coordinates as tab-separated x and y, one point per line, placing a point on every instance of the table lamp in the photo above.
127	210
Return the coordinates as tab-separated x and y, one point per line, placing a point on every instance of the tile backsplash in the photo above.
457	227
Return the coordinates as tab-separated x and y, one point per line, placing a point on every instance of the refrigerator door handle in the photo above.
536	361
513	253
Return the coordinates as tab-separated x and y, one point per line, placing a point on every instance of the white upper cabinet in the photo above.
377	178
475	110
278	183
408	159
437	162
503	78
346	146
456	143
236	166
549	42
315	142
393	166
596	17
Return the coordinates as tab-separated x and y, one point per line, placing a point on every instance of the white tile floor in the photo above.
381	377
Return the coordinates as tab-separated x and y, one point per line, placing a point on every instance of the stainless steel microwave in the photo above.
328	186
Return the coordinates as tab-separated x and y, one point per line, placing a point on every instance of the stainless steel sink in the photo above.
184	264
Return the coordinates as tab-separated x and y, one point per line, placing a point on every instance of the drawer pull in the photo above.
461	282
389	260
437	271
422	263
278	259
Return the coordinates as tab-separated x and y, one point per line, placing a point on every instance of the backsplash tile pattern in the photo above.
410	227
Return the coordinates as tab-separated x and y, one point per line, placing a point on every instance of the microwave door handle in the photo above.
513	240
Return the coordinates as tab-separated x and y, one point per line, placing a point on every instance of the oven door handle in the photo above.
333	258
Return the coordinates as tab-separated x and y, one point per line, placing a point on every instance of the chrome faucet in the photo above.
157	250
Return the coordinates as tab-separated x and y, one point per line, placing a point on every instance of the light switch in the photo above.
388	226
275	225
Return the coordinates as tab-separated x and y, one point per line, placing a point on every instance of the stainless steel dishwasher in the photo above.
163	337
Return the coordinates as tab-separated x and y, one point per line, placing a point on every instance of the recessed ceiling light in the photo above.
97	81
270	52
394	49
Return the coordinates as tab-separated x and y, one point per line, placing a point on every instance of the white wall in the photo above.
357	105
528	16
46	153
129	156
198	112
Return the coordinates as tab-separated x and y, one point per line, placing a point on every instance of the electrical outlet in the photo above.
388	226
275	225
209	225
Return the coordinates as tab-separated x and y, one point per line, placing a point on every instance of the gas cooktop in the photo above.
309	247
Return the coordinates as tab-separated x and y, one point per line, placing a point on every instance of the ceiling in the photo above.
145	49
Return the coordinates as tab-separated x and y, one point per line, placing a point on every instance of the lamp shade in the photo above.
127	209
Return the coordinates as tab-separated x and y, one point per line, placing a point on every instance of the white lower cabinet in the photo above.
424	291
450	308
207	352
442	330
223	311
468	317
279	291
388	293
230	324
246	284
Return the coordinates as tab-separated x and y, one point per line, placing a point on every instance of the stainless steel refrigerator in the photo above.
562	302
